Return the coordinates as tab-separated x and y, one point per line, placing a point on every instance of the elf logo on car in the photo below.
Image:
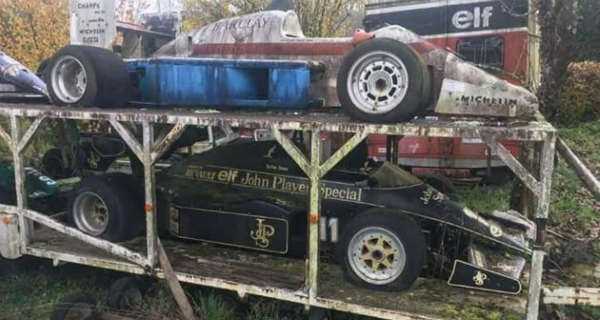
476	19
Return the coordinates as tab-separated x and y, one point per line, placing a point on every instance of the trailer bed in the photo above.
197	262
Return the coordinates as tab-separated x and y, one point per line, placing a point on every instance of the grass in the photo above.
30	291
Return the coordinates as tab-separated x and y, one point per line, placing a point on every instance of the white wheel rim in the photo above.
377	82
376	255
90	213
69	79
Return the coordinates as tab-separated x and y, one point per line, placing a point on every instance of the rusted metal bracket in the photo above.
160	148
26	139
342	152
520	171
297	155
107	246
129	138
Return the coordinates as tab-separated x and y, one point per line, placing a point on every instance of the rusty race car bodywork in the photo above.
450	85
389	75
387	226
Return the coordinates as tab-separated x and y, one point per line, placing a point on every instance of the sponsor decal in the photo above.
253	22
262	234
272	182
476	18
477	100
455	17
480	278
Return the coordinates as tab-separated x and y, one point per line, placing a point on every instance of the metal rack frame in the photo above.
540	133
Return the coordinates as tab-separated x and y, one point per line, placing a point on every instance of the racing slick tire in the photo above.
86	76
107	207
382	250
383	80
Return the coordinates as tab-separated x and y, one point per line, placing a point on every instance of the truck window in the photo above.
484	51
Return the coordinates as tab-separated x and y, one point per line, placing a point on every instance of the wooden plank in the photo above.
572	296
585	174
174	285
519	170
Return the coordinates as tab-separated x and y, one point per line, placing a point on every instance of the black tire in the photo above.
126	294
77	306
407	231
120	197
108	83
42	68
418	92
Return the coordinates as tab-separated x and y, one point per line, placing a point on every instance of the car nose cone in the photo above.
14	72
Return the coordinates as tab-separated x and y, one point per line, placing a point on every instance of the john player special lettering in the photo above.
273	182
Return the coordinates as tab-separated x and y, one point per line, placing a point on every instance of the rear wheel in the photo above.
87	77
383	80
107	207
383	251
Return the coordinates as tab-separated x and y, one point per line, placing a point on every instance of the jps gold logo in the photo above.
262	233
480	278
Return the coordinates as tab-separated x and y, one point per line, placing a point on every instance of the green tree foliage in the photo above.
579	96
319	18
32	30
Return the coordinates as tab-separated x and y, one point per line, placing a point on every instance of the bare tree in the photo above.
558	23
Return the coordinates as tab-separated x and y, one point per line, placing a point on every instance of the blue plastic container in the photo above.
222	83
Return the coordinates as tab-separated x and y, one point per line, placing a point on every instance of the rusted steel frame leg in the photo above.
520	171
312	272
150	192
312	170
18	145
541	216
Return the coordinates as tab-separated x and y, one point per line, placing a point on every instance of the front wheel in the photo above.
383	80
382	250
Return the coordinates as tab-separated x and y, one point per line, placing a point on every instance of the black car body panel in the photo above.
252	195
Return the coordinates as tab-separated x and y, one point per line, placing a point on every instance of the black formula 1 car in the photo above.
387	226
